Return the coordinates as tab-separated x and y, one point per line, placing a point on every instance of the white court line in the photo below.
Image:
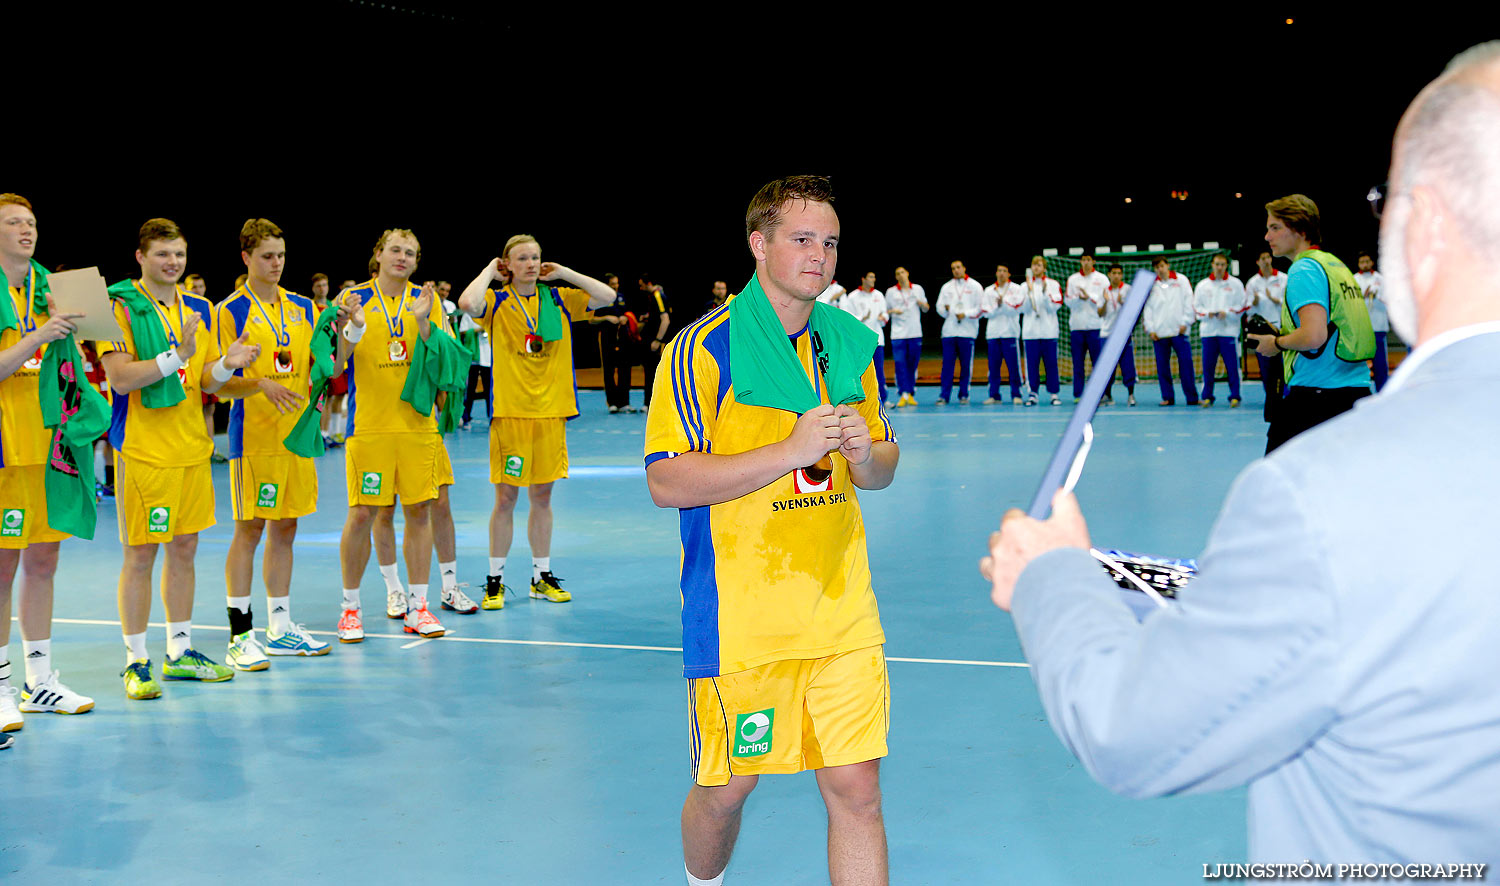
446	633
558	643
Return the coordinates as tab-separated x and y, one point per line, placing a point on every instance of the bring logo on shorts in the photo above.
269	493
12	522
159	520
752	733
370	485
513	464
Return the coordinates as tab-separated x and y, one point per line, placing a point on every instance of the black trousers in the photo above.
477	372
614	355
649	361
1302	409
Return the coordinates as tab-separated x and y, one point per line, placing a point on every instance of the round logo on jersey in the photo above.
398	349
284	360
35	362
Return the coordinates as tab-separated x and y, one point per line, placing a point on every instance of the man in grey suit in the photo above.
1340	647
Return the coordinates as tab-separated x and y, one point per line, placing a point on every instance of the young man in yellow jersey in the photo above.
767	423
164	490
392	451
269	487
530	331
25	538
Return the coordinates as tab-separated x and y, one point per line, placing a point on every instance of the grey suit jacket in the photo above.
1339	651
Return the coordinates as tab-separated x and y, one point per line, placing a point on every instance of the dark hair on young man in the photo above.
317	277
255	230
1115	266
1363	254
158	229
769	203
1161	260
1300	213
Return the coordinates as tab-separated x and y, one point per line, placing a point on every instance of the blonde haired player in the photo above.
392	451
532	370
164	491
25	537
269	487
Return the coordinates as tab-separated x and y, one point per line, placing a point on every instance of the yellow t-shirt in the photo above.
23	440
377	370
781	573
172	437
283	330
530	385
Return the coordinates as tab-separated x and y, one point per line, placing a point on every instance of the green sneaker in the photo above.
194	665
138	682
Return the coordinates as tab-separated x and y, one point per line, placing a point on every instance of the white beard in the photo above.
1401	305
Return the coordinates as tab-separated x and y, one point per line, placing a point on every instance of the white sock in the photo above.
351	598
540	565
281	613
179	638
135	648
240	603
38	660
694	881
449	572
497	567
392	580
417	599
4	664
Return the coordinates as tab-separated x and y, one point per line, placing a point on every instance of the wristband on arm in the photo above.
168	362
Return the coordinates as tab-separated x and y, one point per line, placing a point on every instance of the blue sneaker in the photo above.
295	641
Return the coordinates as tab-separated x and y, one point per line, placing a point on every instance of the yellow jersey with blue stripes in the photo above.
535	382
377	370
23	440
781	573
173	436
283	329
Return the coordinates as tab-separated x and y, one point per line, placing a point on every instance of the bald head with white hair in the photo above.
1440	232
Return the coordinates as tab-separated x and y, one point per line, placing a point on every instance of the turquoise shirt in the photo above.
1307	284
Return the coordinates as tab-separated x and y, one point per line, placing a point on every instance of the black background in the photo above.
633	138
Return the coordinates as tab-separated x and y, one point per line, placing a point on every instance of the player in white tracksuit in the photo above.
1002	311
1168	317
867	304
906	302
1372	283
1039	328
1114	299
1218	302
1084	297
958	305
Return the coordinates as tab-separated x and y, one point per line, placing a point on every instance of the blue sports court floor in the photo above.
546	743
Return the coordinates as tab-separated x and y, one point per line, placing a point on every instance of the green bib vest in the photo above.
1348	316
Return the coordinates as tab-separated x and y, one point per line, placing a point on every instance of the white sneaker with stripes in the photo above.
10	715
49	695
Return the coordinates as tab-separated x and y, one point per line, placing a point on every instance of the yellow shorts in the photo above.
272	487
528	451
790	716
379	468
23	507
445	466
158	504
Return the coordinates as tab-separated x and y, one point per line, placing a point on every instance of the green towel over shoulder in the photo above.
438	363
763	361
8	318
306	438
150	342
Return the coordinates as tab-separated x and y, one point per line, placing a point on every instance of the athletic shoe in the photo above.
458	601
1167	403
296	641
351	627
1206	402
194	665
1015	401
963	401
338	439
1132	399
10	715
51	696
104	490
1055	401
1031	400
138	682
218	459
245	654
991	401
420	621
940	402
1234	402
6	741
614	410
1108	400
466	423
395	604
549	587
890	404
494	592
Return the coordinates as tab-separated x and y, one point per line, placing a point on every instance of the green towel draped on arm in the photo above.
439	363
306	438
763	361
78	415
150	343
